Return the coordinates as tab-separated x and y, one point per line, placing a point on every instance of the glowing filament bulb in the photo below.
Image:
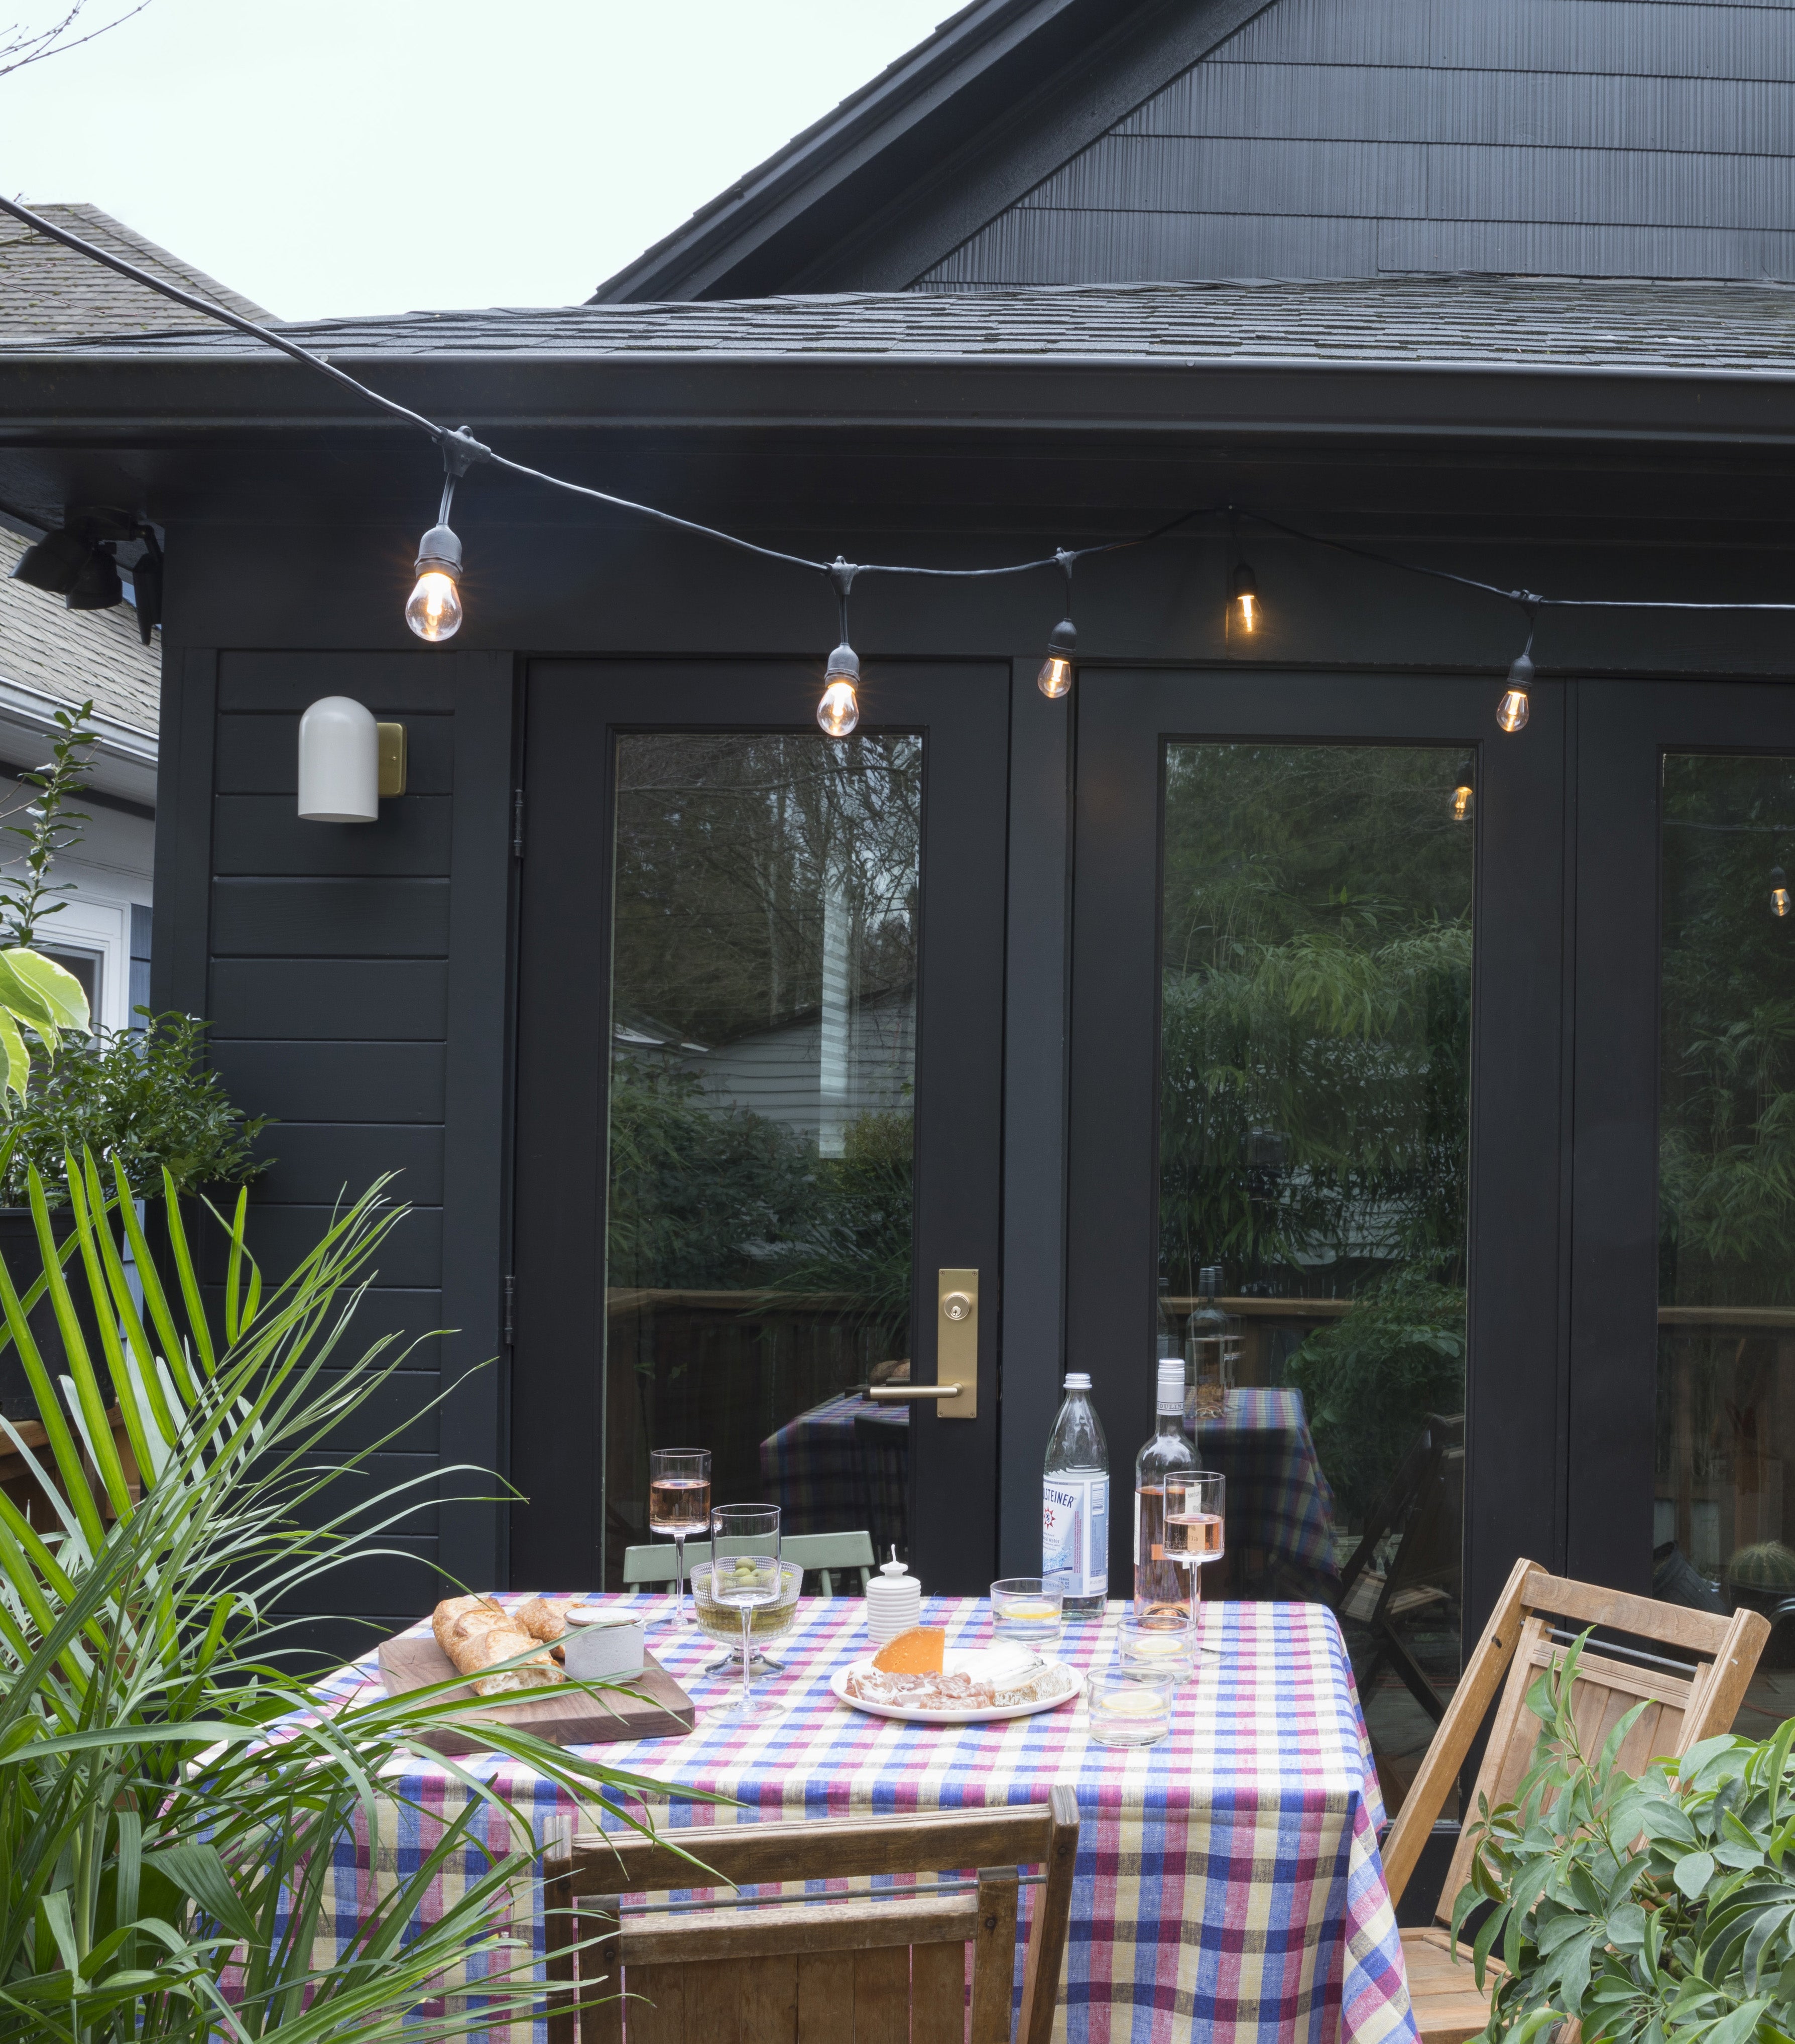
1513	710
1246	601
1056	677
434	611
839	710
1461	803
1779	892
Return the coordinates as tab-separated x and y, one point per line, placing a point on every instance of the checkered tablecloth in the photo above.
1279	1503
1228	1884
822	1481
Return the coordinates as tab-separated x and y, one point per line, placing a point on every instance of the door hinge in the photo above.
510	1300
517	823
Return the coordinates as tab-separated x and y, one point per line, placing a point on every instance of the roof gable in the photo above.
1064	142
1564	137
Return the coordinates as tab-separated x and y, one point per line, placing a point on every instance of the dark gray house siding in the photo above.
1576	137
355	979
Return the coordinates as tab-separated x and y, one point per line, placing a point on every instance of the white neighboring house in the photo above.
53	658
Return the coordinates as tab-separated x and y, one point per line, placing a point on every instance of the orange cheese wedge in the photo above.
917	1652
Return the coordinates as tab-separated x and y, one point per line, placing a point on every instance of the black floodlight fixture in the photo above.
97	586
54	562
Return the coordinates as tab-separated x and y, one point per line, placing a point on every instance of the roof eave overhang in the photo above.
203	400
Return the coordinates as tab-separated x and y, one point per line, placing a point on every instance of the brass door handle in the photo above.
888	1394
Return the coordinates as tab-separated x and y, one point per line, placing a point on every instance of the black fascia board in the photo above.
971	76
64	403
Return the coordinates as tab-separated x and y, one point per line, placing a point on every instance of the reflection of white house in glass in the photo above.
779	1073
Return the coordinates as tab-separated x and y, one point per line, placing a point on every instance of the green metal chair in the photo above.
823	1553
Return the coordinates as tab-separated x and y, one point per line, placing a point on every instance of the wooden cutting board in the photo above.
564	1717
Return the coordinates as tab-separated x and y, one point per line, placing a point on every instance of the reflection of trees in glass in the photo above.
1315	1048
1726	1147
730	845
1727	1139
765	882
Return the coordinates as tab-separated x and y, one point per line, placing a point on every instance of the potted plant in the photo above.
1659	1908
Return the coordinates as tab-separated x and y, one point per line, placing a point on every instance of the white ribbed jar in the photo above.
894	1602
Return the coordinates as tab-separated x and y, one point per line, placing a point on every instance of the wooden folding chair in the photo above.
891	1969
1690	1694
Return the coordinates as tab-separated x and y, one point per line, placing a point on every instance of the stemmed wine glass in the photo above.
745	1572
678	1505
1196	1524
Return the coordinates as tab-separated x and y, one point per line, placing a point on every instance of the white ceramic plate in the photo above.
978	1662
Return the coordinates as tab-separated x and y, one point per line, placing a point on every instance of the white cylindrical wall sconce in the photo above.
339	763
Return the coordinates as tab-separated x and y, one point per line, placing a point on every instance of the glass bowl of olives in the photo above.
723	1622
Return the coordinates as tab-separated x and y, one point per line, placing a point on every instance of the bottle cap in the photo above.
1171	1385
1077	1380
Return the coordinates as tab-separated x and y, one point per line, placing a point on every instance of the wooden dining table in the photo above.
1228	1884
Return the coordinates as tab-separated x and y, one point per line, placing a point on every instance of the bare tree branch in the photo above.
20	45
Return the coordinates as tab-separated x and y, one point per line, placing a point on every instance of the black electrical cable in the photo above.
460	450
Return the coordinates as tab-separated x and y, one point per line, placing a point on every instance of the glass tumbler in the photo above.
1027	1609
1162	1641
1128	1707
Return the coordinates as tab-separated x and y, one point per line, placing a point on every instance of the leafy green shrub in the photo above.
145	1101
1660	1909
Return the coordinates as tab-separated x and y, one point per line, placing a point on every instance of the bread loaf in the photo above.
476	1633
548	1621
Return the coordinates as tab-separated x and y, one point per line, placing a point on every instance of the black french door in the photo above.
1682	1379
1318	1027
758	1083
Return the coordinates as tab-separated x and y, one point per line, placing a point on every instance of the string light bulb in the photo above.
1464	788
1514	710
1244	610
1054	679
839	709
434	610
1779	892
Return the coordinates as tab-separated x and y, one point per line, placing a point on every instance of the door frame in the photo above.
575	709
1517	1207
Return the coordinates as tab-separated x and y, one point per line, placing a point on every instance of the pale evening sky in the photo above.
344	156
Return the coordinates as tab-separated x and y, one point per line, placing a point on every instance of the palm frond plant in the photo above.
172	1797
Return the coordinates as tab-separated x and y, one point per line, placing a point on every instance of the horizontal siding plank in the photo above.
404	1581
1406	103
375	1000
330	918
363	1488
409	1322
401	1407
413	683
280	1238
264	834
1042	247
259	755
1547	250
316	1162
335	1082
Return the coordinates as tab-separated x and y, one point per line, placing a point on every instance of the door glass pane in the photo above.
762	1068
1724	1536
1314	1105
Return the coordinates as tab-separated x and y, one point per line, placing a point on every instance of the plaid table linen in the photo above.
1279	1503
1228	1884
822	1480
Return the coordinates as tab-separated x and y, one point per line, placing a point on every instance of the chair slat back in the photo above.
1720	1655
824	1554
891	1967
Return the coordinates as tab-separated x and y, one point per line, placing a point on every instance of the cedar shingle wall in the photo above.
1337	138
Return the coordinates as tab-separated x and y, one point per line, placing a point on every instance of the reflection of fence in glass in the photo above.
763	1063
1726	1396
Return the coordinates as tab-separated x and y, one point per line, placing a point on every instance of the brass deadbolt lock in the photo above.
956	1306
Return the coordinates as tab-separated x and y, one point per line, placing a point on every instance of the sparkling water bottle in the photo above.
1075	1503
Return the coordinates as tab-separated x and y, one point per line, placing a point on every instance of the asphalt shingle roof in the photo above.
45	288
75	654
1635	325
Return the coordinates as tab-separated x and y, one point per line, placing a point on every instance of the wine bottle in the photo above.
1158	1579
